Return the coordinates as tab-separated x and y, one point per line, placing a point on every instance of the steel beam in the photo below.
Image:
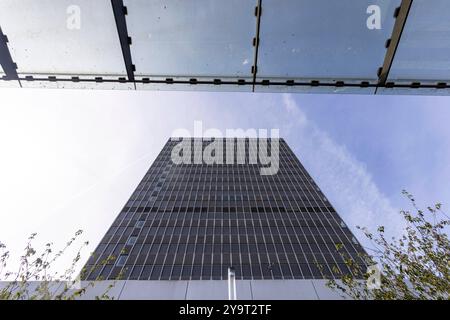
392	43
8	65
125	41
258	12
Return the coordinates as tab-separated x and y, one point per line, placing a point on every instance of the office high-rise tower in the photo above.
192	217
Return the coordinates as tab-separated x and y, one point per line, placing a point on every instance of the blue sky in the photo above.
71	158
402	140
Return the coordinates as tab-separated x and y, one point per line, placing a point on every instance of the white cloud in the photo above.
343	178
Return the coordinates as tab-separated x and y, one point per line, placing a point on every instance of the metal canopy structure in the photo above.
316	46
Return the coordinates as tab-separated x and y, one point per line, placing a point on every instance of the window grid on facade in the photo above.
193	221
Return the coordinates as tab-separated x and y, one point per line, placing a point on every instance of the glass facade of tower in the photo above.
193	221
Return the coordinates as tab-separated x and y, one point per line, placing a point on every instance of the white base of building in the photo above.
207	290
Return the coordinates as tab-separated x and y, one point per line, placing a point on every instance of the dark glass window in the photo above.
131	240
121	260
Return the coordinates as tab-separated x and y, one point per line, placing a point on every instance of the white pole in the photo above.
231	284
